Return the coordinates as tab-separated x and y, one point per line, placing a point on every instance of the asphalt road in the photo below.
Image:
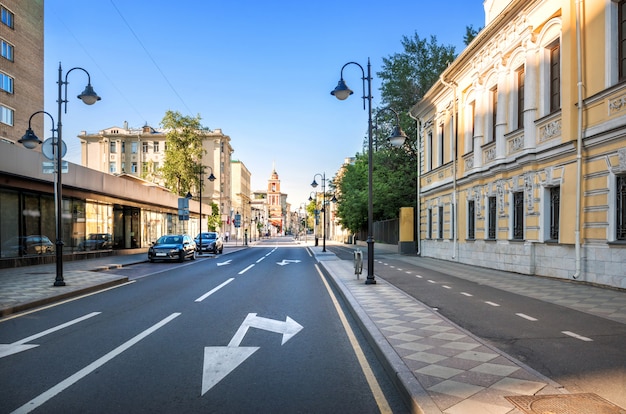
585	353
254	331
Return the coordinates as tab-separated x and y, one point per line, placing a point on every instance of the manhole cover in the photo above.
587	403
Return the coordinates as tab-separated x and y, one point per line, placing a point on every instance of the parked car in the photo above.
25	245
173	247
97	241
211	242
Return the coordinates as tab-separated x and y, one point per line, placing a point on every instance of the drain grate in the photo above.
586	403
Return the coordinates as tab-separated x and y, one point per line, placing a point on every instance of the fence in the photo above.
386	231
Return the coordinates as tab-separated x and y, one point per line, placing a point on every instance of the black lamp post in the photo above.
30	140
314	185
211	178
342	92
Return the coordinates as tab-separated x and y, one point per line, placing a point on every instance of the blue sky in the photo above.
261	71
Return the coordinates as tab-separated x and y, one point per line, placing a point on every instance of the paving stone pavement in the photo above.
455	372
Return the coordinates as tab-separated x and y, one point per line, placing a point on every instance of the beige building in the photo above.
241	199
523	139
21	69
140	152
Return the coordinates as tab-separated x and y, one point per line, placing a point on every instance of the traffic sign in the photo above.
48	167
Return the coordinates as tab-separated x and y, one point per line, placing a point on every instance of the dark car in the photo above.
173	247
211	242
27	245
97	241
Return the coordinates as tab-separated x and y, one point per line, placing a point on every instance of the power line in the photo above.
151	58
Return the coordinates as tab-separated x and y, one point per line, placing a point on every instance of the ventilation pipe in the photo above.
579	144
418	205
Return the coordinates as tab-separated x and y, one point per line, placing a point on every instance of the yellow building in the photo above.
523	144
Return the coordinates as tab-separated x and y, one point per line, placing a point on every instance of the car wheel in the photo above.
181	256
193	254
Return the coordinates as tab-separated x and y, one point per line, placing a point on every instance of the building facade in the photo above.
21	68
523	144
140	152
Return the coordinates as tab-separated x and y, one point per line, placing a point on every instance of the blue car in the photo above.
173	247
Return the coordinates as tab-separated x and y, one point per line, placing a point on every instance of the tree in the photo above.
470	34
213	220
405	79
183	152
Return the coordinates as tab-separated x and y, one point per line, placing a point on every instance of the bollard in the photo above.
358	262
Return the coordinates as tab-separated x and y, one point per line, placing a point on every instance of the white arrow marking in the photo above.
15	347
224	263
289	328
286	261
219	361
71	380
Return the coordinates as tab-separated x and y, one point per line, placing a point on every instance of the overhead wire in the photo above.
151	58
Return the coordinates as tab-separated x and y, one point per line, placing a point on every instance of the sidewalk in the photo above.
444	369
438	366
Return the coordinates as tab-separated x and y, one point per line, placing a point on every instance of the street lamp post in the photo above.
314	185
211	178
30	140
342	92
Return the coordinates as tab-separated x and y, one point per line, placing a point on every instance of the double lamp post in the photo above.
397	139
314	185
189	196
31	141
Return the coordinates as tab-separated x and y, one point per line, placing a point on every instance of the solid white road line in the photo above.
212	291
377	392
575	335
41	399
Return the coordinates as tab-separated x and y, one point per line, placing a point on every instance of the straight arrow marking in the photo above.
219	361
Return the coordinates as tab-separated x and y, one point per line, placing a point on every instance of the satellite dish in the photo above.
48	149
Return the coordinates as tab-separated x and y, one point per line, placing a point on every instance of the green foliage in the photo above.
213	220
406	77
470	34
183	153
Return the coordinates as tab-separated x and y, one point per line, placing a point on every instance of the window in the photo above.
521	77
431	150
123	147
472	123
555	207
621	29
155	146
144	147
440	146
144	167
6	83
7	17
471	219
112	168
518	215
123	167
440	224
133	167
133	147
113	147
429	235
6	115
620	207
555	78
494	113
491	230
6	50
